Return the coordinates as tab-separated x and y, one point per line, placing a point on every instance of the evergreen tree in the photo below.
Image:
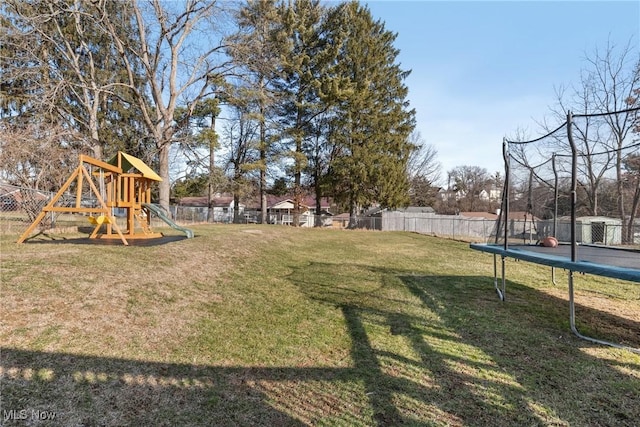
371	131
309	86
255	50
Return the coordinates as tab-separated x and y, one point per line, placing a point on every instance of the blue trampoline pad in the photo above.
604	261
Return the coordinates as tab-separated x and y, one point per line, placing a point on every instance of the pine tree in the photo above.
372	129
255	50
309	87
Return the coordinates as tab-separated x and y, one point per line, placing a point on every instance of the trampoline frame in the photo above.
572	264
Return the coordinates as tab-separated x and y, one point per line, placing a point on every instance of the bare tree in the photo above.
632	166
632	181
242	147
180	48
607	84
588	133
423	161
78	68
423	170
468	182
36	155
617	75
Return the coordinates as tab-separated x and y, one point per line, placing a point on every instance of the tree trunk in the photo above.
212	166
634	211
97	150
620	190
318	219
263	186
353	219
297	181
236	208
163	169
263	169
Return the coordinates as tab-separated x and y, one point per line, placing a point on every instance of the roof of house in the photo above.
11	191
418	209
202	201
342	217
522	215
284	204
598	218
8	189
307	201
485	215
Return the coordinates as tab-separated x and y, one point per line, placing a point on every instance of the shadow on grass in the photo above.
455	355
425	350
90	391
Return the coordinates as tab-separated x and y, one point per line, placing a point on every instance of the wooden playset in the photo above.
123	182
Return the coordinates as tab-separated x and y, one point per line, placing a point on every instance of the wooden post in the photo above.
79	191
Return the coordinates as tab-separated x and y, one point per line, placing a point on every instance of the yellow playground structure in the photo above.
122	182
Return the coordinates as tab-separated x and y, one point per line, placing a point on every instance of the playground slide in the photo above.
159	212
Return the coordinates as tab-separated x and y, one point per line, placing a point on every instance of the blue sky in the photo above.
481	70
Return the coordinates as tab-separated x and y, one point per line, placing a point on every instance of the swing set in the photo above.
122	182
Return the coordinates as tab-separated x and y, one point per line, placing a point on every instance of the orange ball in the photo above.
550	242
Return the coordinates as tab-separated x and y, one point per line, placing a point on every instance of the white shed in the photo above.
590	229
599	229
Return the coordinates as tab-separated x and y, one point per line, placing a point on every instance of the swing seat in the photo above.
102	219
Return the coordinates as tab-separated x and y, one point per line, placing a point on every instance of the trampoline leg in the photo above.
501	293
572	306
553	276
495	271
572	323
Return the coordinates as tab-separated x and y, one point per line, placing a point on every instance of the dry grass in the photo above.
251	325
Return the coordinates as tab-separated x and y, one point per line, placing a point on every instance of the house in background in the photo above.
340	220
280	210
489	194
196	208
479	215
418	209
14	198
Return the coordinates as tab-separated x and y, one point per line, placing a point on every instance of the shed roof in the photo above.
606	219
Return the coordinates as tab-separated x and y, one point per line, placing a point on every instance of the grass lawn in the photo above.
275	326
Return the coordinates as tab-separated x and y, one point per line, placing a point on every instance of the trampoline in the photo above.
539	177
616	263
